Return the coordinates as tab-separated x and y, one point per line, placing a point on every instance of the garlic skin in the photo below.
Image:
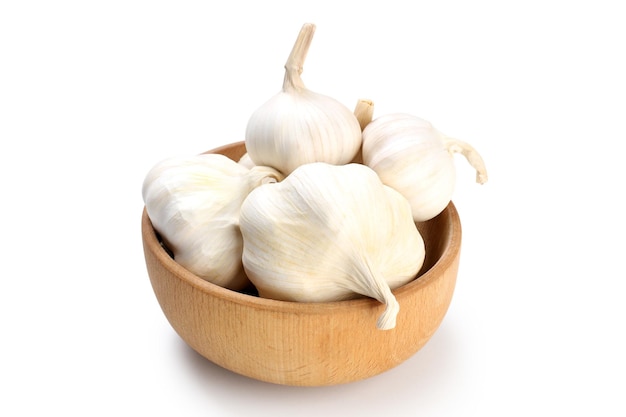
328	233
299	126
246	161
414	158
193	202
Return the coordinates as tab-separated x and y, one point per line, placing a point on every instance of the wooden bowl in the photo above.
306	344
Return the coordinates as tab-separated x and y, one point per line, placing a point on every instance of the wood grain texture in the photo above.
306	344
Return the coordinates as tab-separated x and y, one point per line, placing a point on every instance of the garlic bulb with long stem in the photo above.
193	203
298	126
414	158
328	233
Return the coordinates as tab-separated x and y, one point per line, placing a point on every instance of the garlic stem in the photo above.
263	175
370	283
364	111
387	320
295	62
472	156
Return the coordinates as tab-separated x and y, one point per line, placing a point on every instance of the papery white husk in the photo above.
193	202
328	233
246	161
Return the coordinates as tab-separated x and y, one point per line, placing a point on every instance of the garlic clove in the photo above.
328	233
414	158
299	126
193	203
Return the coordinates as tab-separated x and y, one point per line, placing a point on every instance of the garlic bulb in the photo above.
193	203
298	126
412	157
328	233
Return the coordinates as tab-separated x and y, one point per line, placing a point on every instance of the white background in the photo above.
92	94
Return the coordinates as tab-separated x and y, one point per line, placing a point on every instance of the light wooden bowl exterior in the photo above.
305	344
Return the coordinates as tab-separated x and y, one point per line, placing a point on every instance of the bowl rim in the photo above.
450	252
